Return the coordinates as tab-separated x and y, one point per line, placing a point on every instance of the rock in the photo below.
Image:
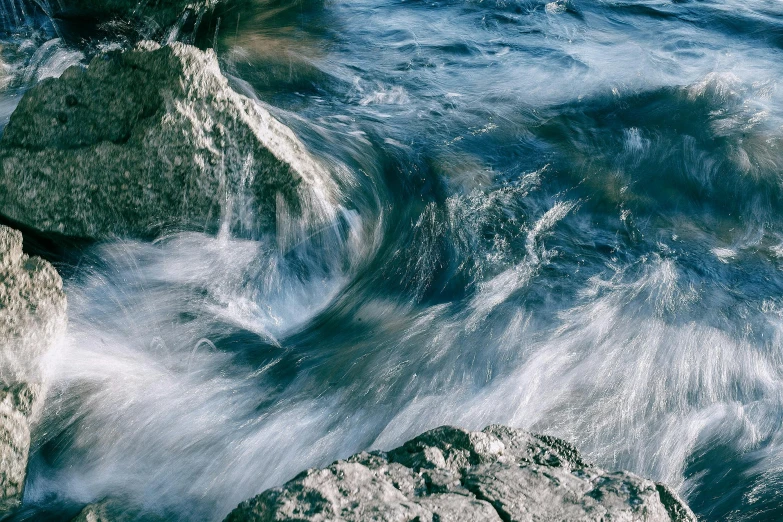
114	510
5	77
147	138
448	474
162	12
98	512
32	316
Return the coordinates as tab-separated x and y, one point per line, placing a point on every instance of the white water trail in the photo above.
155	410
631	387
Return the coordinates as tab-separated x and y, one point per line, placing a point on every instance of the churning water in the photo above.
563	216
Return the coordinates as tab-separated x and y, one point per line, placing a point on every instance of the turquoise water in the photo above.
560	216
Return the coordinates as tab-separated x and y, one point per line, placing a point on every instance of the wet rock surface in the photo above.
114	510
448	474
161	12
99	512
150	138
32	317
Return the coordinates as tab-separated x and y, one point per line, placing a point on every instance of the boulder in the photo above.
32	317
448	474
98	512
162	12
148	138
114	510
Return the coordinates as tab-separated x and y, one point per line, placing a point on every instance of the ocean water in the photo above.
565	217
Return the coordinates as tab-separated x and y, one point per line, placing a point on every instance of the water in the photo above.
560	216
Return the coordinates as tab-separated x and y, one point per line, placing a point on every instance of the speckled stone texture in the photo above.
32	318
450	475
153	138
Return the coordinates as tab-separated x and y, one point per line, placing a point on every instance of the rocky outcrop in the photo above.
148	138
98	512
162	12
32	316
500	474
113	510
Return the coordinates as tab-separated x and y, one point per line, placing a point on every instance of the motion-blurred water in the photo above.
563	216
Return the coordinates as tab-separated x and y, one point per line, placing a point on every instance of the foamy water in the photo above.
562	216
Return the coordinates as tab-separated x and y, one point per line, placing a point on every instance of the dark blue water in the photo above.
564	216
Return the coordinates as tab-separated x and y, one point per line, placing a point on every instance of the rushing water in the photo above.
562	216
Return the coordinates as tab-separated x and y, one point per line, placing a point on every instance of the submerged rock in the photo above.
99	512
114	510
147	138
448	474
32	316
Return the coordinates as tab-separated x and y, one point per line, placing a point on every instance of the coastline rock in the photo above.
162	12
448	474
98	512
149	138
114	510
32	316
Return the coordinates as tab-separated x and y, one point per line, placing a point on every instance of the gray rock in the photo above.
98	512
149	138
114	510
32	317
448	474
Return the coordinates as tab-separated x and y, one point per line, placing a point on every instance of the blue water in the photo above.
559	216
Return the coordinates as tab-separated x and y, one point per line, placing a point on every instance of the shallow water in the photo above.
560	216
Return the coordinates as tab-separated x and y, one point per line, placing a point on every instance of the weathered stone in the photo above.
114	510
448	474
32	316
99	512
149	138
